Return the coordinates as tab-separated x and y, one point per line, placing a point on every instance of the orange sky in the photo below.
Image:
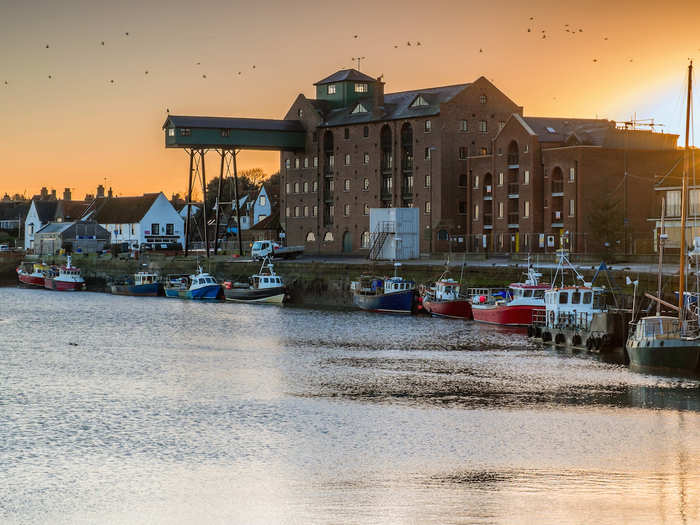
78	129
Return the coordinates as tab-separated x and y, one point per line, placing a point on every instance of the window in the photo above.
169	229
483	126
328	237
428	152
419	101
314	137
587	296
526	177
673	203
463	152
551	129
476	182
306	162
464	125
563	297
572	208
500	179
346	210
347	159
462	207
463	180
365	209
296	187
576	298
365	158
501	125
572	174
297	211
483	151
315	186
360	108
306	211
365	184
331	161
427	181
482	99
427	208
288	188
346	186
476	212
525	149
286	212
310	237
171	132
296	163
365	239
442	235
331	89
361	88
261	217
526	212
263	200
365	131
331	185
428	126
155	229
287	163
346	133
314	211
185	132
315	162
500	210
306	187
300	113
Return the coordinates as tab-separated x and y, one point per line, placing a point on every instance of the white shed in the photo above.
394	233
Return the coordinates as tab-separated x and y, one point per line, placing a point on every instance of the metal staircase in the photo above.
378	238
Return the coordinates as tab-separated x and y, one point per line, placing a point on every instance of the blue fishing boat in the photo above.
385	294
143	284
201	286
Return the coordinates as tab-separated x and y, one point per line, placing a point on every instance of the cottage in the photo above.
77	236
42	212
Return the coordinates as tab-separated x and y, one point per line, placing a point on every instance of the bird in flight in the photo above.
146	72
481	50
102	43
127	33
198	64
204	76
355	36
50	77
595	60
396	47
239	72
417	43
253	66
408	44
529	30
111	81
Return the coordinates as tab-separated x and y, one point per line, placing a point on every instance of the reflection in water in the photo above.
116	408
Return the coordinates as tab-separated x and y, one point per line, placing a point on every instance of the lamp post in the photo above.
430	159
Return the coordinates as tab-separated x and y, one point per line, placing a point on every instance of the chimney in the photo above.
378	98
44	193
100	191
53	195
109	193
66	194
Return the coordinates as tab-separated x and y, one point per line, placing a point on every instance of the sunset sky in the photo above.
77	128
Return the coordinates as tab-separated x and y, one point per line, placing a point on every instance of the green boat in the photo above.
665	344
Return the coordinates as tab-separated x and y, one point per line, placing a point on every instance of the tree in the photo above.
606	225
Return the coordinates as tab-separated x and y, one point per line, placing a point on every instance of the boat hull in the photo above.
675	356
459	309
145	290
397	302
31	280
248	295
199	294
63	286
505	315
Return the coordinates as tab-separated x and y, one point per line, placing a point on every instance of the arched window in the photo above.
310	237
328	237
442	235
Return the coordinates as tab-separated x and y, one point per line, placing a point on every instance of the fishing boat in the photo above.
143	284
385	294
65	279
666	343
200	286
445	299
515	306
263	287
32	274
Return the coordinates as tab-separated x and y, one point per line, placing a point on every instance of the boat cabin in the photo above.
266	281
397	284
574	305
145	278
446	290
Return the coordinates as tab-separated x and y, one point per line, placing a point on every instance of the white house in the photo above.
150	218
42	212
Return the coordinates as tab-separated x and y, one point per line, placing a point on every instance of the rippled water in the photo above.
147	410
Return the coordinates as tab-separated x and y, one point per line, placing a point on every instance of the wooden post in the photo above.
238	211
204	203
189	206
218	204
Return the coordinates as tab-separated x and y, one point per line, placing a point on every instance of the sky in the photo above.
97	119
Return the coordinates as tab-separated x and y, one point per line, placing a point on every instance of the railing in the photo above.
386	194
407	164
557	186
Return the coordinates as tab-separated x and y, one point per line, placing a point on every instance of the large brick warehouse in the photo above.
483	176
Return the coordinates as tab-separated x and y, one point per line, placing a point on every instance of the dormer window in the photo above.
361	88
551	130
419	101
360	109
331	89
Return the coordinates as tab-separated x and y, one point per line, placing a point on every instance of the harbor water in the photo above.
126	410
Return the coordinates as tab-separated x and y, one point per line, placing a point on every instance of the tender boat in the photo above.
385	294
516	308
263	287
33	274
200	286
445	300
65	279
142	284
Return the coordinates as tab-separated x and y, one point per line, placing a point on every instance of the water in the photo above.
149	410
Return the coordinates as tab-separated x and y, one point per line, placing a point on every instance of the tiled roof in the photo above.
271	222
71	209
46	210
258	124
553	129
13	210
346	74
396	106
121	210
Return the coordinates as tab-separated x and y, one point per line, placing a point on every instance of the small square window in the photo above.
185	132
171	132
361	88
482	99
331	89
365	158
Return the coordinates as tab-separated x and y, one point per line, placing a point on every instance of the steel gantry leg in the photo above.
189	205
218	203
204	202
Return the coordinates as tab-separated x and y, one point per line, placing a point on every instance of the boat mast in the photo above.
684	191
661	253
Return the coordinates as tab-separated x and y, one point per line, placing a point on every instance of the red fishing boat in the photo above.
515	307
65	279
32	274
444	300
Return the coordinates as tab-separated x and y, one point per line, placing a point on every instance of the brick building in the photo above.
547	180
367	149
